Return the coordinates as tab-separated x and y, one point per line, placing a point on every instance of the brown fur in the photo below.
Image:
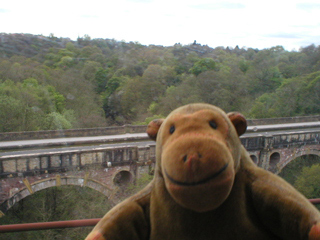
206	187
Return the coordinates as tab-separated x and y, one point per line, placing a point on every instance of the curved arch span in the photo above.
307	152
55	182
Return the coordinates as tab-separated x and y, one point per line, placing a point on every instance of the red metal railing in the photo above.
315	201
48	225
66	224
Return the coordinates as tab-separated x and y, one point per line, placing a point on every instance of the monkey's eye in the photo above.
172	129
213	124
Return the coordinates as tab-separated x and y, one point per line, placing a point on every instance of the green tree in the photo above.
263	107
295	96
226	88
111	99
56	204
185	93
203	65
92	75
310	95
313	55
308	183
287	98
89	51
81	98
11	113
56	121
65	61
101	78
89	70
244	66
71	48
184	59
138	93
112	107
31	104
264	79
293	170
113	84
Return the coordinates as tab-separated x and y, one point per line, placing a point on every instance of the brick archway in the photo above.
55	182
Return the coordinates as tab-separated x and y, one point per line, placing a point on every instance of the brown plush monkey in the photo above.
206	187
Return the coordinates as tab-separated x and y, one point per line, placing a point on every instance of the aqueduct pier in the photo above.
106	167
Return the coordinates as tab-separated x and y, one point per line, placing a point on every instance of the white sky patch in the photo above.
247	23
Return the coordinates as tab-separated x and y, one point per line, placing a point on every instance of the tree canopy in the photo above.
57	83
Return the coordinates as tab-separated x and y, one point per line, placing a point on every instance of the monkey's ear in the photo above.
239	122
153	128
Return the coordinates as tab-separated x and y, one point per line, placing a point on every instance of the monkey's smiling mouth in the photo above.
199	182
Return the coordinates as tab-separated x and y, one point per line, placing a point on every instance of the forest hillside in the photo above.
56	83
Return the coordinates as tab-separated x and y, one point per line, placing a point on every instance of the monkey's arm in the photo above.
282	209
128	220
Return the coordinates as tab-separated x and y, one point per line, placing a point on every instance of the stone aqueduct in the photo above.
105	169
274	152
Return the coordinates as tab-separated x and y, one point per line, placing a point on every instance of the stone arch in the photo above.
305	152
254	159
56	182
274	160
123	178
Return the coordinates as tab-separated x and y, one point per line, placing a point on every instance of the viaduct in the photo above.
107	167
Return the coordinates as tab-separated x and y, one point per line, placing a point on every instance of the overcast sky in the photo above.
247	23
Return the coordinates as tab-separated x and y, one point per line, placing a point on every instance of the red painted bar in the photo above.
66	224
315	201
48	225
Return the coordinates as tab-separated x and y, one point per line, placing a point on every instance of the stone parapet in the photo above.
67	133
117	130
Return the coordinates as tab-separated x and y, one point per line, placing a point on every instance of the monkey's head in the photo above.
198	154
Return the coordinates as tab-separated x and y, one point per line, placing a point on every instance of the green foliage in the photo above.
140	183
55	121
113	84
56	83
183	94
311	95
65	61
295	96
10	114
203	65
264	79
148	120
31	106
56	204
293	170
244	66
303	174
30	82
101	78
263	107
308	183
89	70
106	81
58	99
153	107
